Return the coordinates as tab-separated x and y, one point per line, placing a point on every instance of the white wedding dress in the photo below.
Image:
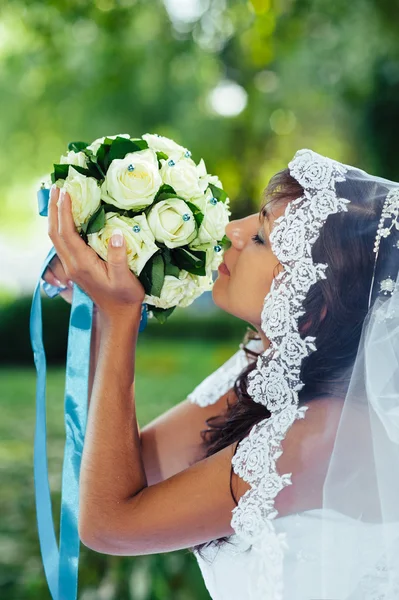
231	572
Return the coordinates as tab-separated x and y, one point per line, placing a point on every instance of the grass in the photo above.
165	373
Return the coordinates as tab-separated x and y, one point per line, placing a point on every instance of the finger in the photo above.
53	223
117	256
67	229
67	295
58	270
50	277
81	260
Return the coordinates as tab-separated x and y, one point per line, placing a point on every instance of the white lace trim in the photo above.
220	381
275	382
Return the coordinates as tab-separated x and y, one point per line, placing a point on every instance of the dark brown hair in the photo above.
335	309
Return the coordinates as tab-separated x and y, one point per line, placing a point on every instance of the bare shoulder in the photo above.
306	450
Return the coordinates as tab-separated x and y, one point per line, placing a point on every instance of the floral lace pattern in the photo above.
275	382
220	381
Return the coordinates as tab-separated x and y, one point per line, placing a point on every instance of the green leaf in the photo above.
122	146
218	193
166	255
102	156
162	155
77	146
157	274
164	189
198	214
171	269
111	208
164	192
225	241
161	314
96	221
61	171
145	279
190	260
166	196
95	170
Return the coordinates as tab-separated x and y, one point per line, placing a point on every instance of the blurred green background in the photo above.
243	85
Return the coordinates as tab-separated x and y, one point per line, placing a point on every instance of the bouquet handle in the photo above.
61	565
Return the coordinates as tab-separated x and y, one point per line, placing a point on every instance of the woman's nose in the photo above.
235	233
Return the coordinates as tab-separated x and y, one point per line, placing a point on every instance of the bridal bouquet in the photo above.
172	213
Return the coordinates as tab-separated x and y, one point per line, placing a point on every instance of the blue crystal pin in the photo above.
136	228
130	168
213	200
187	154
186	217
217	248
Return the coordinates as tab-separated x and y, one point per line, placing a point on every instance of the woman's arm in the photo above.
112	468
172	441
94	352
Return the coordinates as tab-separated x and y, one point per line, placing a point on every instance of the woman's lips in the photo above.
223	269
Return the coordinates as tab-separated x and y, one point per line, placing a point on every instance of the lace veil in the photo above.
361	485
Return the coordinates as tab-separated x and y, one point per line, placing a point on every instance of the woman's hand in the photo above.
110	284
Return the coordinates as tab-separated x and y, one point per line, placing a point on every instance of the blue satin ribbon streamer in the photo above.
61	566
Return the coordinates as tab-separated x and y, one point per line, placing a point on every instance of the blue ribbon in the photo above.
61	566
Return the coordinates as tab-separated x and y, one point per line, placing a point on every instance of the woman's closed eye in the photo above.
257	239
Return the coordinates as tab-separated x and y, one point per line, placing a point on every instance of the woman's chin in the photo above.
219	295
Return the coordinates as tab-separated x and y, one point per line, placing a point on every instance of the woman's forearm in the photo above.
112	469
94	353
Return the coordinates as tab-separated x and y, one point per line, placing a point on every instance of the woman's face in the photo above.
252	266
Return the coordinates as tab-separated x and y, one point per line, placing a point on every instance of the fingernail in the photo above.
58	282
117	238
70	283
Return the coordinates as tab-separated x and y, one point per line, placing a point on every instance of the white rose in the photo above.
205	179
132	189
159	143
168	225
180	291
172	290
94	146
85	195
182	176
216	217
196	286
74	158
213	258
140	245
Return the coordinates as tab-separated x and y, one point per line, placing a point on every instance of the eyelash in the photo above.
257	239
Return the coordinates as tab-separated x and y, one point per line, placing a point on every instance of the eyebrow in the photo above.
263	216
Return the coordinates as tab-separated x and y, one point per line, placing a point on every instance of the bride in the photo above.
280	471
